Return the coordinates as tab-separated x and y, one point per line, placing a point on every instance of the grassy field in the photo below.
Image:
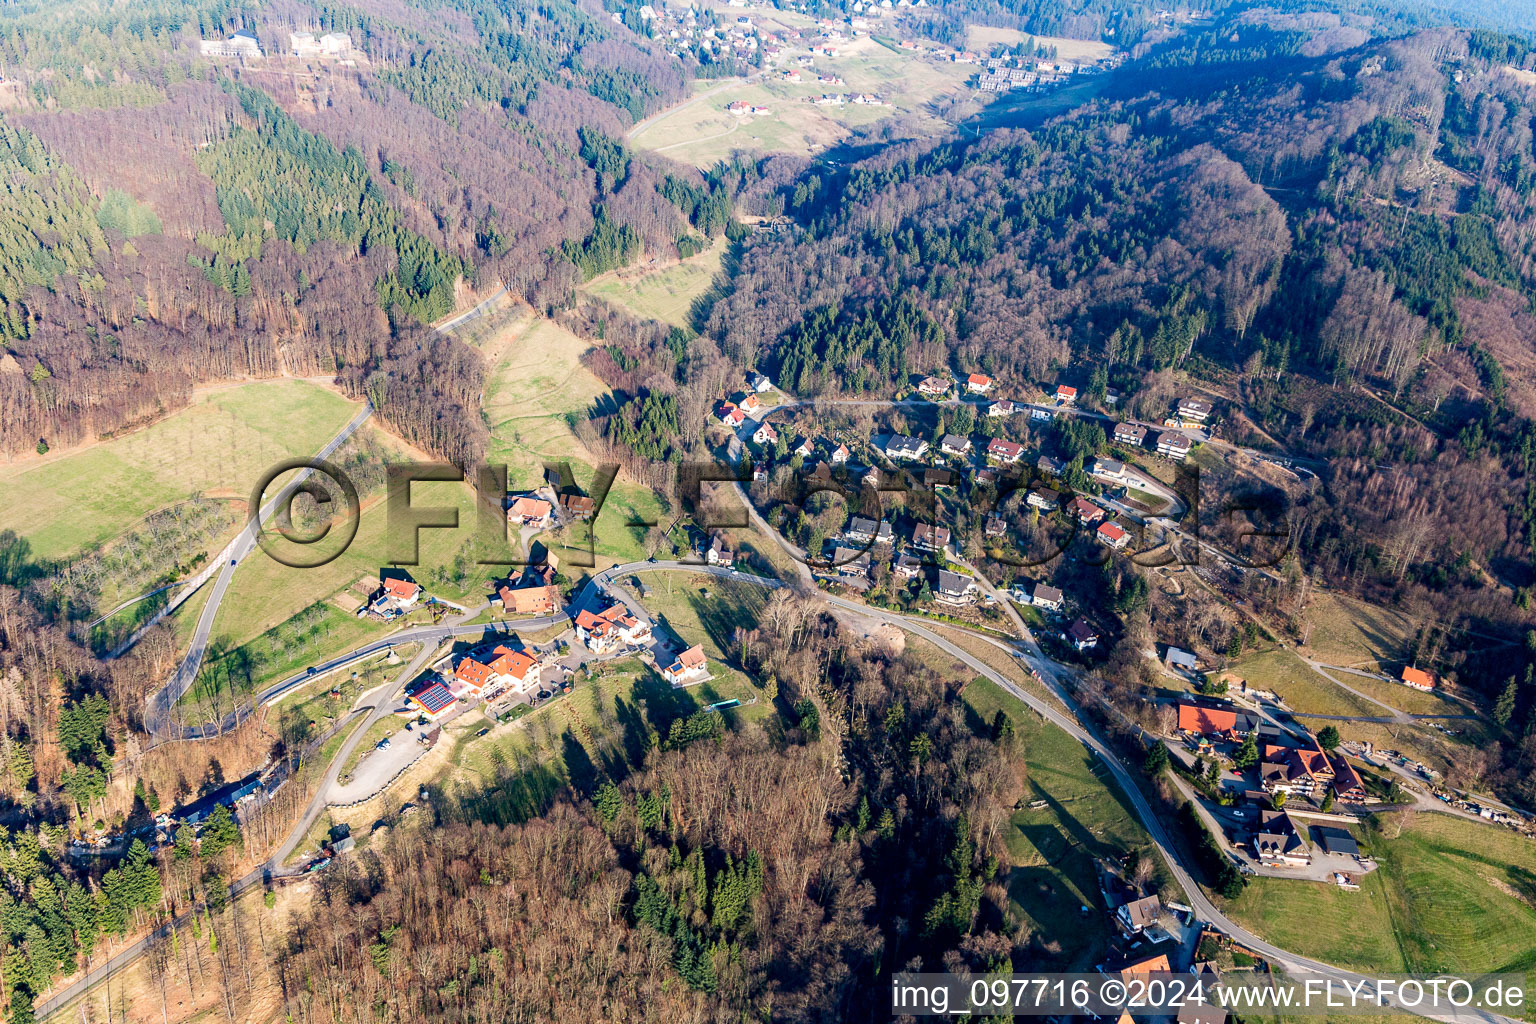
1053	847
982	38
705	133
218	445
665	294
265	593
317	633
1302	689
1450	895
536	386
1356	634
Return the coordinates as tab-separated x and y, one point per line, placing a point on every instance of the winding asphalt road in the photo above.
157	711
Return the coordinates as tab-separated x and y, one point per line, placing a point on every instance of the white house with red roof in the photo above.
488	674
395	597
1004	451
1113	535
690	667
1066	393
978	383
730	414
607	631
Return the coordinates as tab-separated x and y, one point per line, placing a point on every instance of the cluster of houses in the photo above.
530	591
1290	764
487	673
244	45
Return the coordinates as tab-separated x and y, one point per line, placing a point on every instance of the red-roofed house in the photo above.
1004	451
730	415
433	699
527	510
605	631
395	597
1208	721
1066	393
529	600
690	667
1418	679
1086	511
978	383
1113	535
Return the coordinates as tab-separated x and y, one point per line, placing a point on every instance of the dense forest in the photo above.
727	875
208	218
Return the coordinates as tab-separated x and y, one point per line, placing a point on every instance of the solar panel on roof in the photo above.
434	698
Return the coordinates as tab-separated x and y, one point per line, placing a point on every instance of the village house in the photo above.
1173	445
1194	410
395	597
529	600
1346	781
1049	466
903	447
954	444
1223	721
765	433
607	631
955	589
1045	499
933	387
432	698
578	506
1111	468
1111	397
488	674
730	415
978	384
1302	770
1336	840
332	45
851	562
906	566
1040	413
1418	679
863	531
986	475
718	553
838	456
1047	597
749	402
1006	452
1002	407
527	510
938	476
759	382
1130	434
1086	512
1066	394
1113	535
1277	842
996	526
930	538
690	667
1082	636
1138	916
804	448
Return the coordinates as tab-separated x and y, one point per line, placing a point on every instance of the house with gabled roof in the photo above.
1082	636
1173	445
930	538
1047	597
1113	535
526	510
903	447
1086	512
933	387
1065	393
978	383
1277	841
536	600
765	433
1006	452
1227	721
689	667
1130	434
1417	678
955	589
954	444
1002	407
